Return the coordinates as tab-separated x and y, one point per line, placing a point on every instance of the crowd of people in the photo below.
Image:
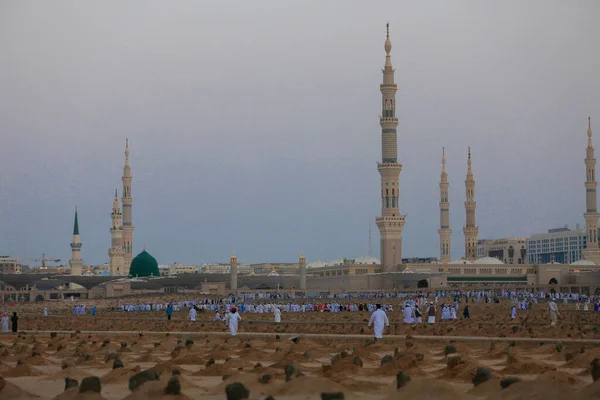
414	305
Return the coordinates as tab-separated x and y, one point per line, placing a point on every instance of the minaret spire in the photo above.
391	222
470	230
76	224
444	231
116	238
76	263
127	201
591	215
233	271
302	271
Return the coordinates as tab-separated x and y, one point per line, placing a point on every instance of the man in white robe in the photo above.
379	320
277	313
409	314
553	312
193	314
232	320
430	313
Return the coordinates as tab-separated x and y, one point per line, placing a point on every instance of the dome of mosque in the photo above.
460	262
487	260
583	262
144	265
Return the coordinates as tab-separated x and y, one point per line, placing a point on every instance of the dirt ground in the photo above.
36	365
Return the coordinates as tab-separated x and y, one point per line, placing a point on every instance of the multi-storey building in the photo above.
560	245
508	250
10	265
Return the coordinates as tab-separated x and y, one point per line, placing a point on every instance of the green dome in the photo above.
144	265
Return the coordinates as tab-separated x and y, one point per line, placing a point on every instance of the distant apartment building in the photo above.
420	260
10	265
508	250
560	245
176	269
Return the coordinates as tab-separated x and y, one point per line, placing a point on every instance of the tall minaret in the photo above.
302	271
390	223
115	252
76	262
444	230
470	230
233	271
591	252
127	201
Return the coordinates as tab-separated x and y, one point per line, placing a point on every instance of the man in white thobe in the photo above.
193	314
553	312
379	319
277	313
232	320
409	317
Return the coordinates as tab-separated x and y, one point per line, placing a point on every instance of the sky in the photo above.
254	126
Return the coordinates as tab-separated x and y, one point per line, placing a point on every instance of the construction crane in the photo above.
43	260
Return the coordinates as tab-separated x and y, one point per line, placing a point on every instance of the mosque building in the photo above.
392	272
144	265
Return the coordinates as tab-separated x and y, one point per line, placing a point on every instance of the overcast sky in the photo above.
253	125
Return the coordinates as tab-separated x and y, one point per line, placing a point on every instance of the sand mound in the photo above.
73	394
38	360
462	372
70	372
253	353
304	385
148	357
257	343
366	355
534	390
20	371
119	375
426	389
190	359
238	363
516	366
154	390
583	360
486	388
591	392
562	378
213	370
289	358
166	366
546	349
249	380
13	392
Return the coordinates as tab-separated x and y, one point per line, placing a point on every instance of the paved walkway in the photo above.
319	336
284	321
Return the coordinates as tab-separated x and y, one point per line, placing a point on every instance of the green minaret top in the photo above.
76	225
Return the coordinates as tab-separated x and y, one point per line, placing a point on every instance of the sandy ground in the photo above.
36	365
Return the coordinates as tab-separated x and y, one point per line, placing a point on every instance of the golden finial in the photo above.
469	158
387	28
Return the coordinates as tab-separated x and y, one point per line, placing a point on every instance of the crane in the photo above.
43	260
